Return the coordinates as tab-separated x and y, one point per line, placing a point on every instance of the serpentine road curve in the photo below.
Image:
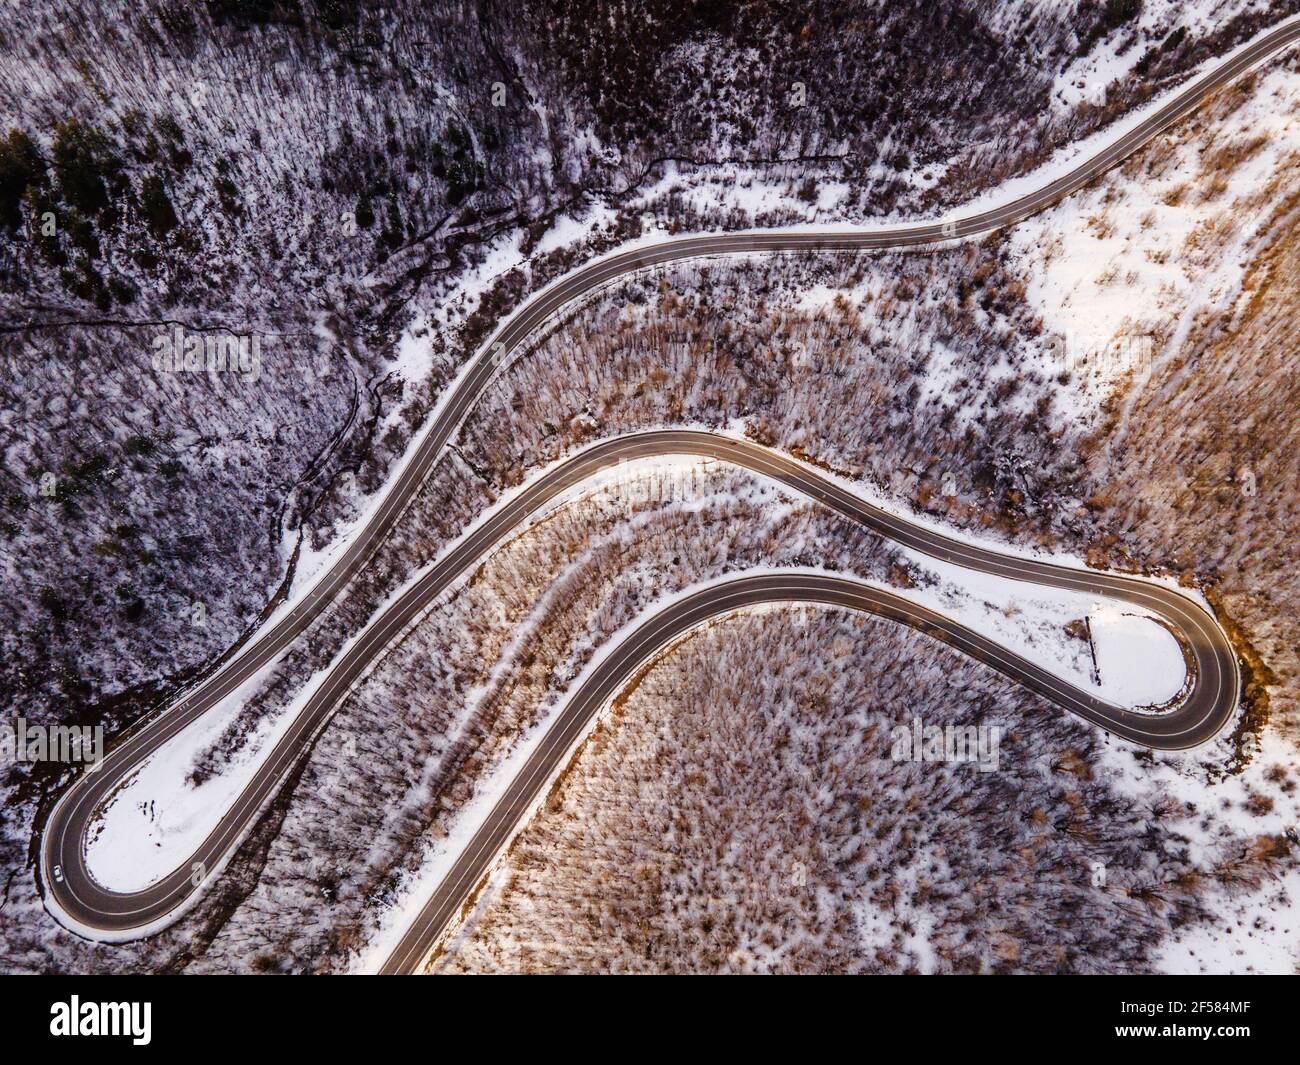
1199	716
1209	702
90	909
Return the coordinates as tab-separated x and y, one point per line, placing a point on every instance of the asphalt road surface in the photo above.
79	902
1200	716
1209	703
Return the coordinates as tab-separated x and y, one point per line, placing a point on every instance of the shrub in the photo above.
84	164
157	208
21	167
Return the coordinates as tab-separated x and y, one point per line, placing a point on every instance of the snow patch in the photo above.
1138	659
157	819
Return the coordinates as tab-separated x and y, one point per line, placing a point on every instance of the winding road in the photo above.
85	906
1196	719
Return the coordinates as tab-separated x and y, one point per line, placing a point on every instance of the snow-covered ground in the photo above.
158	818
1138	659
1256	928
1114	57
414	890
1139	258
